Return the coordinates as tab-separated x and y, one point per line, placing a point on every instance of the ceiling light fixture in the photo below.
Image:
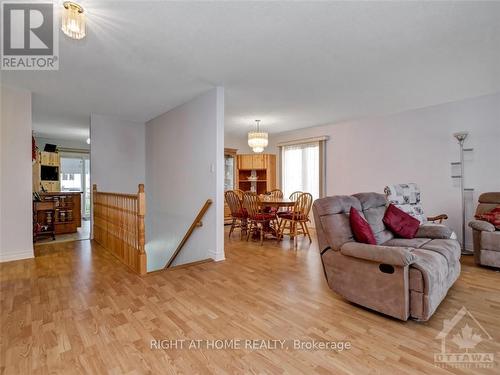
73	20
257	140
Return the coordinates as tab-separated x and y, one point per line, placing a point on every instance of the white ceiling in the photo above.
291	64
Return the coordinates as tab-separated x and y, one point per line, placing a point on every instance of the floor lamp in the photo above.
461	136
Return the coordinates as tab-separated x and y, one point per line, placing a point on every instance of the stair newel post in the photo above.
141	212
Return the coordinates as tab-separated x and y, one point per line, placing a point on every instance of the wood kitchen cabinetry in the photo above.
46	175
256	172
255	161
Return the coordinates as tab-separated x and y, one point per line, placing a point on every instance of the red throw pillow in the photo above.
492	217
360	228
400	223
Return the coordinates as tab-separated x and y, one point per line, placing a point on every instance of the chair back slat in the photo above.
276	193
239	193
293	197
251	203
233	202
302	206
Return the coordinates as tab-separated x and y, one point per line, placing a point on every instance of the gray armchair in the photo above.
486	238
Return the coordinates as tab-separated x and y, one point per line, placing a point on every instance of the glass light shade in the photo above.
257	141
73	20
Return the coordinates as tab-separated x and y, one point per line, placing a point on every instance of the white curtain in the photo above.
301	168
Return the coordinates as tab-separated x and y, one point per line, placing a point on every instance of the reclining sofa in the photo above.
403	278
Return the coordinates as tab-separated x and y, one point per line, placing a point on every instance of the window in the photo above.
302	168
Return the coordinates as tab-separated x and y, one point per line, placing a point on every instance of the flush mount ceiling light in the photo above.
257	140
73	20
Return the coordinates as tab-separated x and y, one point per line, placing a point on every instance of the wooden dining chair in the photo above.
293	197
257	219
299	216
238	214
239	193
276	193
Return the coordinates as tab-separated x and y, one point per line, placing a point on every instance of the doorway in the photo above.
75	176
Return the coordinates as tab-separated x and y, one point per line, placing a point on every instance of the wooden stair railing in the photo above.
118	226
196	223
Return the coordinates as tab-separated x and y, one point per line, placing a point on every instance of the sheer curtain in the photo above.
300	168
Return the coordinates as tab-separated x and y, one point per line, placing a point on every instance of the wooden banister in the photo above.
118	225
196	223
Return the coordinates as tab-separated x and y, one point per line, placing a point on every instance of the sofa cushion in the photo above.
490	241
360	228
332	221
405	242
336	205
373	206
434	231
450	249
242	214
400	223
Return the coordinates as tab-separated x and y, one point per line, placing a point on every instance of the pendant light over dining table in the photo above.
257	140
73	20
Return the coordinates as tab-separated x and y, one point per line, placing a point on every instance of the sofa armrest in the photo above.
395	256
439	218
482	226
434	231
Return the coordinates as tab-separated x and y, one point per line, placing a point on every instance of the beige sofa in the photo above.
486	238
399	277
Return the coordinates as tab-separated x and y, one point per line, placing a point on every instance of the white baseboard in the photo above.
12	256
216	256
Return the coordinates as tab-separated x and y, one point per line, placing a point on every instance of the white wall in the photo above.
118	154
414	146
184	168
16	236
238	142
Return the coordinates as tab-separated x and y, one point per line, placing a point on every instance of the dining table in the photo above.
267	201
273	202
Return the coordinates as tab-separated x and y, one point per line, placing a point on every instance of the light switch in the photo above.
212	168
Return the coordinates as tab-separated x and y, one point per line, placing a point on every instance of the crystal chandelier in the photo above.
257	140
73	20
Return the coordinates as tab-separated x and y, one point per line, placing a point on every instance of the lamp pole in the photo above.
461	136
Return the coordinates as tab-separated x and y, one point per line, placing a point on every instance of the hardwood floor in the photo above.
76	309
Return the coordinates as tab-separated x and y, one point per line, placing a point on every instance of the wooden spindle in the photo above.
118	225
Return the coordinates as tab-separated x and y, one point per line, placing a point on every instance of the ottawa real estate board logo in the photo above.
29	36
463	341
